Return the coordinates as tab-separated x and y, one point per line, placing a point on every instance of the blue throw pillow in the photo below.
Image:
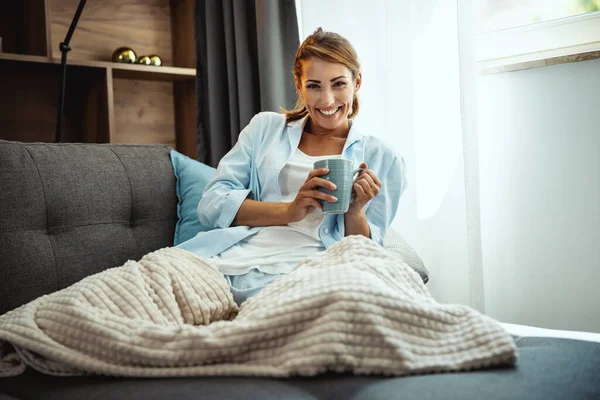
192	176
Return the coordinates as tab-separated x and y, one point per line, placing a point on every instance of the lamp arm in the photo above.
64	48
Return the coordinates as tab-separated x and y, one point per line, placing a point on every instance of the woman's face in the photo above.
327	89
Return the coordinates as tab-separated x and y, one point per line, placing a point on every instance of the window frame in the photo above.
537	42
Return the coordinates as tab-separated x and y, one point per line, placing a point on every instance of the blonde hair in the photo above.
330	47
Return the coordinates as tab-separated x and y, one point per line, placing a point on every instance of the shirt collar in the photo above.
298	125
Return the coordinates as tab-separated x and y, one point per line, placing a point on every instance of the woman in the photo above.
264	196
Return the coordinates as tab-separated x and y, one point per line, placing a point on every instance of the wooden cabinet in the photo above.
105	102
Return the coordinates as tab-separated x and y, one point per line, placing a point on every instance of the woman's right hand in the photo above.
307	199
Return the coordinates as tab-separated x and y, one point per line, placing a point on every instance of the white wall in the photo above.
540	195
410	99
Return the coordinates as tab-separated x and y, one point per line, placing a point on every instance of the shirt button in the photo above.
326	230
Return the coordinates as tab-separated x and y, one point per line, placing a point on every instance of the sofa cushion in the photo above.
71	210
192	176
395	244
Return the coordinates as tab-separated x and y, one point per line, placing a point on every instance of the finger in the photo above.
373	187
373	176
363	165
310	202
317	172
318	182
317	194
362	175
366	187
360	191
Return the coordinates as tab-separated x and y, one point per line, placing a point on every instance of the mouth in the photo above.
329	112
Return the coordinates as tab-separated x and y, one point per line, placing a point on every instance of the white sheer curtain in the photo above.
415	99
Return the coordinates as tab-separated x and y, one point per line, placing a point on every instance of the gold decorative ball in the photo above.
124	55
145	60
155	60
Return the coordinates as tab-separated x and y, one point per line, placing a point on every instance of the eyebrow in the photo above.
316	81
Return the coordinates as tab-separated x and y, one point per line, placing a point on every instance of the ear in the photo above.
358	82
298	85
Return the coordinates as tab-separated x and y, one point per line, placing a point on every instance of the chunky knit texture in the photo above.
353	308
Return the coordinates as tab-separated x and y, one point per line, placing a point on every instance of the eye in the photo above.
312	86
339	84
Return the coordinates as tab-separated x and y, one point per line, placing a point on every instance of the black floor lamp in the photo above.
64	48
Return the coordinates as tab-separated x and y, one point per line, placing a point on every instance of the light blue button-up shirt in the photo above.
251	170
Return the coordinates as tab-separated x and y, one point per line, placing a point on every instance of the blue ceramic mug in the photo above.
341	173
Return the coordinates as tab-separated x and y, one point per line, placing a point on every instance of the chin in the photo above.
332	125
328	122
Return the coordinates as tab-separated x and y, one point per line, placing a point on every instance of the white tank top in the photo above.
277	249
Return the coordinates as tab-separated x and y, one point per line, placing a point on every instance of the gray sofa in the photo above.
71	210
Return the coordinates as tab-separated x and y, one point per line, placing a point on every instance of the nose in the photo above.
327	97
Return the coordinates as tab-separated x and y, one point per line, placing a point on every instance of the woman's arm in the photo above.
382	208
357	224
262	213
366	188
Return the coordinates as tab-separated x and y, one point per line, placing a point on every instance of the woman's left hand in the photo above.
366	187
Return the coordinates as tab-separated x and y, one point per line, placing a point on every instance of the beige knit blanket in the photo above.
354	307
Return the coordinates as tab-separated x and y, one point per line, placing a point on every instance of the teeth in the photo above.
329	112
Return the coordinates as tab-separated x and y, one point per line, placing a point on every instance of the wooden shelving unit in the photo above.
105	102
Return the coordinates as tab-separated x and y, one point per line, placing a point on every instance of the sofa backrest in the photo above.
71	210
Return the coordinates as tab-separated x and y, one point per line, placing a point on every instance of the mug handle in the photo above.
357	170
353	195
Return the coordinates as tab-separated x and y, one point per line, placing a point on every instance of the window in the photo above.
521	31
495	15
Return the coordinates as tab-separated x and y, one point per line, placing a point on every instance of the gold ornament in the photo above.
155	60
145	60
124	55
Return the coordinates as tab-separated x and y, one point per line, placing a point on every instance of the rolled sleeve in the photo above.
230	207
225	193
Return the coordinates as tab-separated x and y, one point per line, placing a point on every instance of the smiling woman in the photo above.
326	70
328	100
266	199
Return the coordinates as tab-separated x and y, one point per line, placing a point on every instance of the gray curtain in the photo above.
245	54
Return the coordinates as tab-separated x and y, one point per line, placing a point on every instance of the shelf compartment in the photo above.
105	25
24	27
29	99
143	112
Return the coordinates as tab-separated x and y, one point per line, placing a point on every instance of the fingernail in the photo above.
334	198
333	186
